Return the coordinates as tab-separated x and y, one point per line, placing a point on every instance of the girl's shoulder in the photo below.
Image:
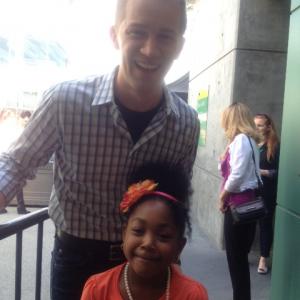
103	285
186	288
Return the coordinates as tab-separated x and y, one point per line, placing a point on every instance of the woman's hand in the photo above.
222	199
265	173
222	207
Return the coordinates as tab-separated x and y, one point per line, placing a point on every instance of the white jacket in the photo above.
242	171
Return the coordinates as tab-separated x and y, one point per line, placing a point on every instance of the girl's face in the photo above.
261	125
151	239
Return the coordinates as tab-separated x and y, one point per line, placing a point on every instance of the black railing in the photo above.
16	227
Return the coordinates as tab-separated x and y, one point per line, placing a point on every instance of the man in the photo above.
101	130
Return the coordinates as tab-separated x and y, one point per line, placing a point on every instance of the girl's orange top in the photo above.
105	286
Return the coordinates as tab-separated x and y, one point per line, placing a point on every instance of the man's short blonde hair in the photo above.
121	11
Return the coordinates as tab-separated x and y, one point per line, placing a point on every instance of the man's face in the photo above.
150	38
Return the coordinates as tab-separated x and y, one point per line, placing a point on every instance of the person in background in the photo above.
100	129
239	184
156	212
269	162
21	208
12	124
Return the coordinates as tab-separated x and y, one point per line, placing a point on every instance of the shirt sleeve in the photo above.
89	290
32	149
197	293
190	155
103	286
276	162
240	155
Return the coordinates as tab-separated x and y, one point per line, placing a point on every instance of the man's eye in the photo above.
166	37
136	33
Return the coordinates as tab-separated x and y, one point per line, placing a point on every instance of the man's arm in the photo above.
31	150
191	153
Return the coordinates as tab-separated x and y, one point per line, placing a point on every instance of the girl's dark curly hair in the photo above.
173	181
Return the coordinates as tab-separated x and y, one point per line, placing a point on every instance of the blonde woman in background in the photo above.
239	184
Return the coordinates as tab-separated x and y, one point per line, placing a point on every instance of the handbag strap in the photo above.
253	157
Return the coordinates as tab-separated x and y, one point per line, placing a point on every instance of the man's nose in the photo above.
150	47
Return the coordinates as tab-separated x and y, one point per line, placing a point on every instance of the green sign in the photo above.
202	109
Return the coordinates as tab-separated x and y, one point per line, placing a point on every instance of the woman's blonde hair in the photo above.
237	119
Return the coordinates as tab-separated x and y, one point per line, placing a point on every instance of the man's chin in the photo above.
148	84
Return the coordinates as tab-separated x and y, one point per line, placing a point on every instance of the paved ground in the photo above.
200	259
203	261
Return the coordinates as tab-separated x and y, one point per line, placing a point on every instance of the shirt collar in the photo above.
105	93
170	99
105	89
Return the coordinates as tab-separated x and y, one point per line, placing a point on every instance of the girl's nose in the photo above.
148	241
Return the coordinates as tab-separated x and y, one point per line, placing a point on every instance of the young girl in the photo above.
155	208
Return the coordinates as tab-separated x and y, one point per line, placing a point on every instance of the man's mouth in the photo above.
147	66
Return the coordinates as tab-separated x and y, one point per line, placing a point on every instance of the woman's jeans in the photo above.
266	228
238	241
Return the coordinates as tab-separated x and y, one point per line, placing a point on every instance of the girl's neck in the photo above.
145	288
157	282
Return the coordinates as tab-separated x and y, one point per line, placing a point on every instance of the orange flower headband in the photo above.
138	190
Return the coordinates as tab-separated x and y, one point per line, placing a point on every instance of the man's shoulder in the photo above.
80	89
76	85
182	107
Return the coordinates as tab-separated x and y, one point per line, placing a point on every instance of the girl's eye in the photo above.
164	237
137	231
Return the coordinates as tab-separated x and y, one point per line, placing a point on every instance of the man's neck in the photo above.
138	100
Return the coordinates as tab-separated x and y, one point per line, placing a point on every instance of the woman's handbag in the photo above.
250	211
253	209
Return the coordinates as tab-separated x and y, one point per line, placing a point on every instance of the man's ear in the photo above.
114	36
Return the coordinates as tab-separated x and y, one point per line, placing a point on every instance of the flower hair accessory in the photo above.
138	190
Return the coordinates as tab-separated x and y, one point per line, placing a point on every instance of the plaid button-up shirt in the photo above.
94	153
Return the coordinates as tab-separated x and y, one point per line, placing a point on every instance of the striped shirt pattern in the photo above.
94	154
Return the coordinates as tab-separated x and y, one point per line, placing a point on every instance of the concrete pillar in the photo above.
238	53
286	264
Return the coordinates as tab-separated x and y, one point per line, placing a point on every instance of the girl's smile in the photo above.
151	239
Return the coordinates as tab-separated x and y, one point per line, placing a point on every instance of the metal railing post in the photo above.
39	261
18	279
16	227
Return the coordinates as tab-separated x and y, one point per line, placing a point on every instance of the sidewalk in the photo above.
200	260
204	262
